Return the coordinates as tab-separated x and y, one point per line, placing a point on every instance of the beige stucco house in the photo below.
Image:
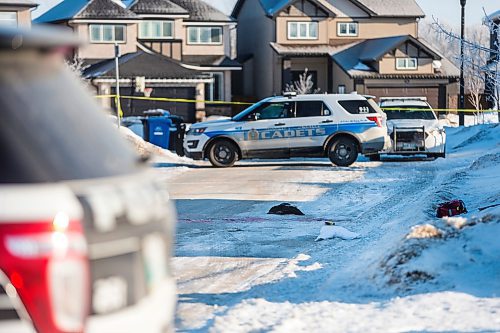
368	46
16	13
174	48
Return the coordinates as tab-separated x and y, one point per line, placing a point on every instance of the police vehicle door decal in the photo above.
266	127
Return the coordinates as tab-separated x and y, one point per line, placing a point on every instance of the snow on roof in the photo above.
393	8
210	61
62	11
201	11
156	7
149	65
362	67
88	9
494	16
273	6
356	59
105	9
284	49
396	8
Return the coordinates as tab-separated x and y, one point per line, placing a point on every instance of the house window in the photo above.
302	30
8	18
341	89
204	35
215	91
156	29
406	63
107	33
347	29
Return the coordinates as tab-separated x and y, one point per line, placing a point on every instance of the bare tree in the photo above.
480	62
303	86
76	65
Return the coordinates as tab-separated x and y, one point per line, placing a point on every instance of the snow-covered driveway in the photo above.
240	269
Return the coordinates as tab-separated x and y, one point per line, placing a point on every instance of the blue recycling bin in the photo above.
158	130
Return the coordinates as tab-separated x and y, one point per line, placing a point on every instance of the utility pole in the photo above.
117	72
461	115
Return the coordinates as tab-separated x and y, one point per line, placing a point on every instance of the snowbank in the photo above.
146	149
440	275
334	231
461	252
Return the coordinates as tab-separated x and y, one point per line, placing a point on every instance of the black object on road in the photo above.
285	209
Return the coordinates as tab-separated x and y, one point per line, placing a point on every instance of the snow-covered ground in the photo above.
241	270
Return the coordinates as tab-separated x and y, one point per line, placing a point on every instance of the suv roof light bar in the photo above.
423	99
290	94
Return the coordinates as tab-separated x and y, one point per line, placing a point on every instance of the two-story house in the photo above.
177	49
16	13
368	46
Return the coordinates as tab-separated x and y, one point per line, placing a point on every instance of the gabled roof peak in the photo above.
86	9
382	8
157	7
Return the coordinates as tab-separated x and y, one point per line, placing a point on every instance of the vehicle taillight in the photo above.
376	120
47	265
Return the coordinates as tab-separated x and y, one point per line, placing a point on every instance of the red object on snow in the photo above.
451	208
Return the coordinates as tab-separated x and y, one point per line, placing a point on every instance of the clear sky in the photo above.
448	11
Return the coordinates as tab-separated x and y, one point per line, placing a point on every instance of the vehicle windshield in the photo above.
409	112
242	115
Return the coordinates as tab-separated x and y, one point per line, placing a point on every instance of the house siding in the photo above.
104	50
340	77
23	14
255	32
282	30
206	49
24	17
387	65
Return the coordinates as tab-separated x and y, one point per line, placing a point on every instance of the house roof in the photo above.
86	9
201	11
149	65
396	8
309	50
495	17
210	61
157	7
357	60
19	3
385	8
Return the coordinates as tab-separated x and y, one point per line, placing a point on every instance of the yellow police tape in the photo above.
179	100
184	100
440	110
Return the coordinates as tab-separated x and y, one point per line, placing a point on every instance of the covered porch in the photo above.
293	60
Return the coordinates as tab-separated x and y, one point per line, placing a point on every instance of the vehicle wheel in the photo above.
343	151
222	153
374	157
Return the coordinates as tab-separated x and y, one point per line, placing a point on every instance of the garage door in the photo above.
432	94
137	107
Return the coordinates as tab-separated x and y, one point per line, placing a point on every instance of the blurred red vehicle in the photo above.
84	227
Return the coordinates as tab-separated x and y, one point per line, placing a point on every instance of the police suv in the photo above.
337	125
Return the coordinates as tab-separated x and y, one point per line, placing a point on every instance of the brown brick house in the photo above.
187	42
16	12
367	46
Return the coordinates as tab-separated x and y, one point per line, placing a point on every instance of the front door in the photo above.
265	131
